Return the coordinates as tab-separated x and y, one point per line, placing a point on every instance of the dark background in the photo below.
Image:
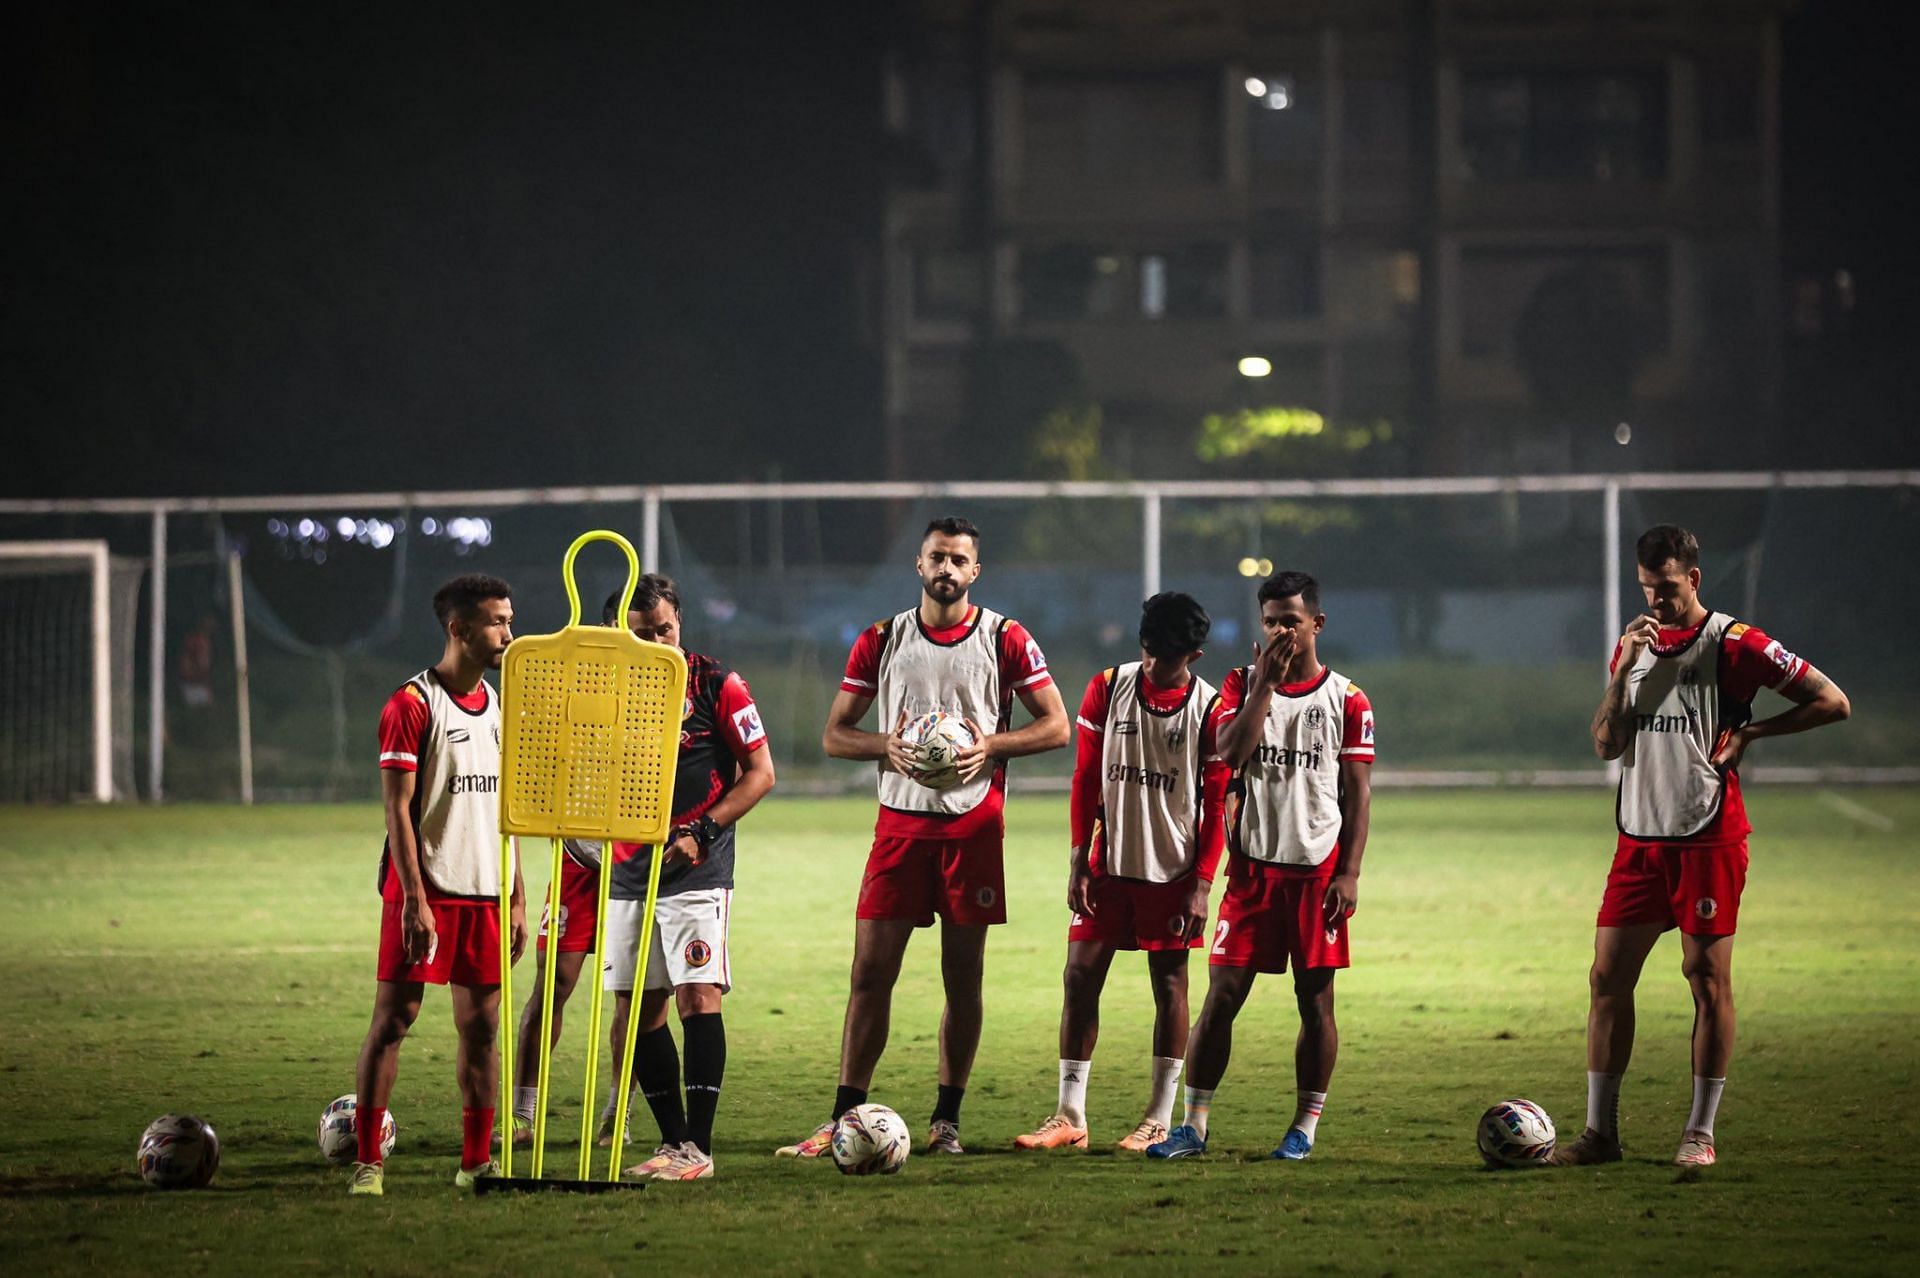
266	248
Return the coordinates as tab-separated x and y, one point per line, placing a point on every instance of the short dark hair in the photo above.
459	597
652	588
953	526
1667	541
1287	583
1173	624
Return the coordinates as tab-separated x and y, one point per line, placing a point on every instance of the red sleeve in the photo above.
1023	667
862	677
403	724
1613	662
1356	726
1753	661
740	718
1084	806
1233	694
1214	777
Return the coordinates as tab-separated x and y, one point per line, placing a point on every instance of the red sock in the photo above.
367	1124
476	1136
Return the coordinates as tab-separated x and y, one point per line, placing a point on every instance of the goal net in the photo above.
66	671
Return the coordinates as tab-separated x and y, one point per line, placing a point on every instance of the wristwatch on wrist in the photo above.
703	828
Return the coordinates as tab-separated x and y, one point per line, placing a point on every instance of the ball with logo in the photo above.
1515	1133
870	1140
178	1151
936	739
339	1131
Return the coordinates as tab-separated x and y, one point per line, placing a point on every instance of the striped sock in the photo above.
1306	1114
1198	1101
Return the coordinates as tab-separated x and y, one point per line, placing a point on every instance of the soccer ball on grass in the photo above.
1515	1133
339	1132
178	1151
870	1140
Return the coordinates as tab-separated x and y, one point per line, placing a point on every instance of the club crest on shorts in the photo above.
1333	936
1706	907
698	953
984	898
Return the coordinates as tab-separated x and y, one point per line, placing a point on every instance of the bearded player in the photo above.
936	853
439	876
724	769
1300	739
1678	715
1147	832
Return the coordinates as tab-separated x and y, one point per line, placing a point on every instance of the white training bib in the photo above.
1669	788
962	678
1150	770
457	792
1290	786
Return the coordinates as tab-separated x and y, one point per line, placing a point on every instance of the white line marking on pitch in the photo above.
1857	811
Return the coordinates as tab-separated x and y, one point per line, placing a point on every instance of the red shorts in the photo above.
962	881
1133	914
466	948
579	904
1695	887
1273	913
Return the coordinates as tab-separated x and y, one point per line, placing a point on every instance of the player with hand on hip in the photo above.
937	853
1147	832
439	877
1299	737
724	769
1678	715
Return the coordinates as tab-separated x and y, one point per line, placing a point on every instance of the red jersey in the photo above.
1084	810
1023	668
1749	661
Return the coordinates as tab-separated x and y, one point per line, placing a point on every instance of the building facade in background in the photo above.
1473	235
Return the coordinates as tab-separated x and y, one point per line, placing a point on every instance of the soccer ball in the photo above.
1515	1133
870	1140
937	739
339	1133
178	1151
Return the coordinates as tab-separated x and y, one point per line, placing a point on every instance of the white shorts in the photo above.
689	941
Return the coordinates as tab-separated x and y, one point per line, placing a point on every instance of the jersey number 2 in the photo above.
1220	937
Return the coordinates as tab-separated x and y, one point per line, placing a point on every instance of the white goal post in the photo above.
93	558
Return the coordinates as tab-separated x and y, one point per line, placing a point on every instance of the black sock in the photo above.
846	1098
948	1105
656	1069
706	1039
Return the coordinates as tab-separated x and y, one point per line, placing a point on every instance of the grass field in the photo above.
219	960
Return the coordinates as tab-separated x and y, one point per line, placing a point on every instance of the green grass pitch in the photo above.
219	960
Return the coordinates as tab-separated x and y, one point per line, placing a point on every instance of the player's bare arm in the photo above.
1241	734
1356	813
403	857
755	783
1613	721
846	739
1049	730
1817	700
1080	883
517	918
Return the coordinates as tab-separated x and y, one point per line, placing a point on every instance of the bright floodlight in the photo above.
1255	366
1256	87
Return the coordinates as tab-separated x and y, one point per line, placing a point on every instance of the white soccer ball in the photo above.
937	738
870	1140
339	1133
178	1151
1515	1133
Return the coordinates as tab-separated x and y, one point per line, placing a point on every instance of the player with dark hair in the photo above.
936	853
1678	715
723	771
439	877
1300	739
1147	832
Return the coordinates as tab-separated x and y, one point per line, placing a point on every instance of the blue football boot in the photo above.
1295	1147
1181	1142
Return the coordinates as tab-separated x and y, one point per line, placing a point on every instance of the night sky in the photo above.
306	248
